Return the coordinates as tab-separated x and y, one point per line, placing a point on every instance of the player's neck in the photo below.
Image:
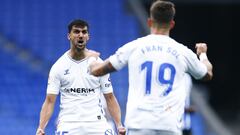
160	31
77	54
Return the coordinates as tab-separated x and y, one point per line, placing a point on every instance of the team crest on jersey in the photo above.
66	72
108	132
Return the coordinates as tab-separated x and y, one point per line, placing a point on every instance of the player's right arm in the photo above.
46	113
52	93
114	62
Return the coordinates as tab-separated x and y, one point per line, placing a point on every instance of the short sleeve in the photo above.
106	85
121	57
194	66
53	82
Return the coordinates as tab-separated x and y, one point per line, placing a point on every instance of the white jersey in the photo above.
156	65
80	91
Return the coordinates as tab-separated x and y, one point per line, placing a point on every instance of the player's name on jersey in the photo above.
155	48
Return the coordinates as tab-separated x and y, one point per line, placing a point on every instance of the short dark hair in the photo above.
77	23
162	11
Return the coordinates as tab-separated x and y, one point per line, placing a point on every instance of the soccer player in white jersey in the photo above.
156	67
81	111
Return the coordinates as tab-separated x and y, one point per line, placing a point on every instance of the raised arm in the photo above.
201	49
46	113
99	69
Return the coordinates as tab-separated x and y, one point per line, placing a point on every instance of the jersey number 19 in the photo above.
161	71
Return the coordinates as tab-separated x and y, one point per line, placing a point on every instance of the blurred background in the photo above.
33	35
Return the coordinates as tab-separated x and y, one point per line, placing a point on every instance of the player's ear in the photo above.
88	37
68	36
150	22
172	24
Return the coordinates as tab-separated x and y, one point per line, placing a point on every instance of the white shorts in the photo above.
150	132
85	128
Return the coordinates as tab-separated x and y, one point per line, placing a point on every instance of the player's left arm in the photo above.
115	112
201	49
99	69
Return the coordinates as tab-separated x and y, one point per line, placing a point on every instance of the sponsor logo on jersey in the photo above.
79	90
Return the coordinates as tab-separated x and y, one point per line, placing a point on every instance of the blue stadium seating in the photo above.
40	27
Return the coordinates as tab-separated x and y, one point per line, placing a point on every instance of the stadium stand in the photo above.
36	31
33	34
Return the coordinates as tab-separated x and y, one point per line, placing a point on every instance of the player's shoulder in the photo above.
187	51
99	59
143	39
136	42
91	59
132	45
183	49
60	63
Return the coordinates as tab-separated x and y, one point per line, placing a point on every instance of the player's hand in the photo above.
201	48
92	53
121	130
40	132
